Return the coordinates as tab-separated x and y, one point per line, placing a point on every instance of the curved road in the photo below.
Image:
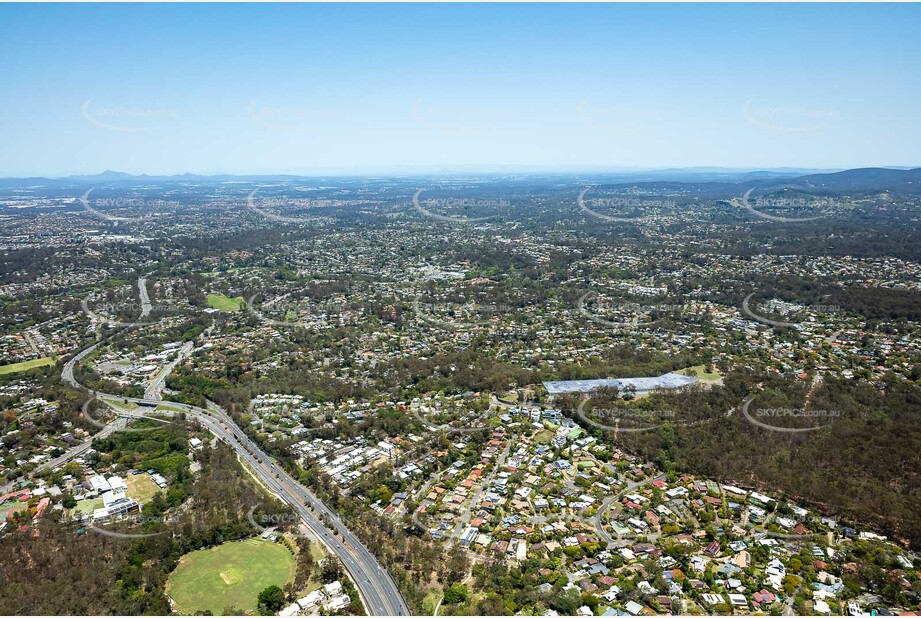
599	514
377	588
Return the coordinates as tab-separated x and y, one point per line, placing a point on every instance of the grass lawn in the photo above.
26	365
310	587
168	408
88	506
698	370
119	404
224	303
141	487
316	551
230	575
432	596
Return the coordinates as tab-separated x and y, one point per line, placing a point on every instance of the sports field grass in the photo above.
224	303
26	365
230	575
8	506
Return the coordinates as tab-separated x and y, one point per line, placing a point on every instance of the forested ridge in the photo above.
862	466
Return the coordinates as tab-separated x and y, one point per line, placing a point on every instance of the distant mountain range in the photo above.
702	181
861	180
867	177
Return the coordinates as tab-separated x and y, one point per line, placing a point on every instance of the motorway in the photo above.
377	588
146	306
156	385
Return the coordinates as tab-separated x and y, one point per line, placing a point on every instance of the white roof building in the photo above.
633	607
337	602
312	600
333	588
99	483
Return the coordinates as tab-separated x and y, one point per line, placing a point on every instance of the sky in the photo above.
304	89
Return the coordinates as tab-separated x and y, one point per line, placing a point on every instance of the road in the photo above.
145	298
484	487
599	524
377	588
156	385
74	452
31	341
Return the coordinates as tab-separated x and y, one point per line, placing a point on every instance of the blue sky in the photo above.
318	88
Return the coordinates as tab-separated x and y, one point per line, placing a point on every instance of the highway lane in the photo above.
146	305
156	385
377	588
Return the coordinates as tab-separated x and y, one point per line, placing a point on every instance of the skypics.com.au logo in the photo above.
298	313
269	522
100	311
457	119
624	314
102	207
134	520
428	208
272	207
127	119
620	118
125	414
762	206
470	421
623	419
289	118
787	119
622	203
784	309
766	417
460	316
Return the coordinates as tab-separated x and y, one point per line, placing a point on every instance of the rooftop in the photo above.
642	385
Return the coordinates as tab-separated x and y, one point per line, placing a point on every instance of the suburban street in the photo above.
76	451
598	519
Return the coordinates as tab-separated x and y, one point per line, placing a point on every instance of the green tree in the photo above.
272	598
457	593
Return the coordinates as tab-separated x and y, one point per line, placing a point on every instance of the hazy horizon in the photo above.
465	169
321	89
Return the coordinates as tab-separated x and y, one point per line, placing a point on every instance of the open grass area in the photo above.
141	487
224	303
698	370
317	552
432	597
26	365
168	408
229	575
88	506
119	404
